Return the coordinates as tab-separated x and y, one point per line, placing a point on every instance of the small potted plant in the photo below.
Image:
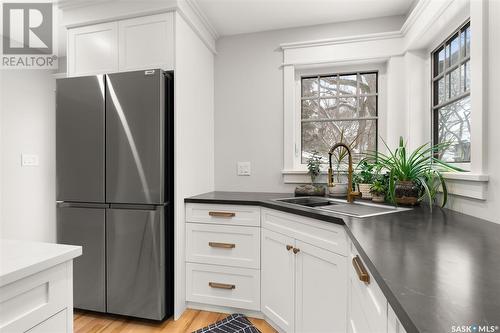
378	190
364	177
314	170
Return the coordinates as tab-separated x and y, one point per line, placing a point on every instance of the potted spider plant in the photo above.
314	170
414	176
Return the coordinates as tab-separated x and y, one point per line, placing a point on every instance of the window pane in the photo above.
439	61
328	108
309	87
368	83
467	41
454	49
310	109
455	82
348	107
439	92
328	86
320	136
348	84
368	106
454	128
467	76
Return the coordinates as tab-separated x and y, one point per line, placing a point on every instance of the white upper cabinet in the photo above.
133	44
146	42
93	49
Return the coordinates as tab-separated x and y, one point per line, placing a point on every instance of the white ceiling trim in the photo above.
203	18
401	33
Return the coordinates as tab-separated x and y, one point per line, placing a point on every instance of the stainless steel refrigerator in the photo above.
114	166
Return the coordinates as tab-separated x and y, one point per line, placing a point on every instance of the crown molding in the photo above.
195	6
414	15
74	4
342	40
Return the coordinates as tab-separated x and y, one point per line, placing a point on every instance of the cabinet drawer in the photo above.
371	301
29	301
224	286
223	245
329	236
223	214
57	323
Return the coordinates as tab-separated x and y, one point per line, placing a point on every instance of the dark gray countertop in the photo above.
437	269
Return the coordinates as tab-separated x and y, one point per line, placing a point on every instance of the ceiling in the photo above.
230	17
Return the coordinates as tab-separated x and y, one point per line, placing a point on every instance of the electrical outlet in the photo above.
243	168
29	160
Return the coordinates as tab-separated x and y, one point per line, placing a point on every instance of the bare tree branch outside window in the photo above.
451	96
335	104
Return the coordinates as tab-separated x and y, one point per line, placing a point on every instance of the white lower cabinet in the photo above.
304	287
277	277
320	290
309	279
367	304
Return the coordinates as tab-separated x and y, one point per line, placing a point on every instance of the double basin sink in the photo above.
338	206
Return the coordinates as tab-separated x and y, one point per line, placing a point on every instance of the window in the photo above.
339	107
451	96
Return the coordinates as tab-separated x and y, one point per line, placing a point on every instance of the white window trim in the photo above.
424	29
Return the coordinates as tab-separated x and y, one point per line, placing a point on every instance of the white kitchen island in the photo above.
36	286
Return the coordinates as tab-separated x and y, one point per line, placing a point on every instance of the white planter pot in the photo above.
365	191
338	190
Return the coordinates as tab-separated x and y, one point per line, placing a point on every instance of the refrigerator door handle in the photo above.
135	207
65	204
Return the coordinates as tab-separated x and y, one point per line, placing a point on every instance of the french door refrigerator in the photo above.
114	166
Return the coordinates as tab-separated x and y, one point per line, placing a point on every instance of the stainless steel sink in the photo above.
339	206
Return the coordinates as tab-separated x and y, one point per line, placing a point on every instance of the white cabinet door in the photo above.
93	49
277	274
146	42
320	290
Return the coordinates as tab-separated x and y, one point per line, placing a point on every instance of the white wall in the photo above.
194	135
27	126
249	101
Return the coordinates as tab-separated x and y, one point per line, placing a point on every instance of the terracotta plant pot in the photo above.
406	193
365	191
378	197
338	190
310	190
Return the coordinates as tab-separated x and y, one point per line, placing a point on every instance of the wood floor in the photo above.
191	320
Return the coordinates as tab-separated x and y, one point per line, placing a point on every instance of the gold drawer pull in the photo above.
221	285
360	269
296	250
222	214
289	247
222	245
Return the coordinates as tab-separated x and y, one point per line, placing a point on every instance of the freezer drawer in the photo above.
80	139
135	137
85	226
136	261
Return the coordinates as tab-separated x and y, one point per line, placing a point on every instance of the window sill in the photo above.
464	184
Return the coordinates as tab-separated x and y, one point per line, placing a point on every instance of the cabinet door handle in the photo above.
221	285
289	247
360	269
222	214
296	250
222	245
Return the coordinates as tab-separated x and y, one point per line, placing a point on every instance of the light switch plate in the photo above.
244	169
29	160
